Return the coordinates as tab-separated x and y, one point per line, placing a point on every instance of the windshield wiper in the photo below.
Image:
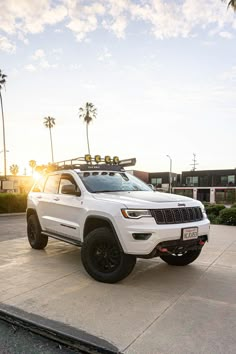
108	191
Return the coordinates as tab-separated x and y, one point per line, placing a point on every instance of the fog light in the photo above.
140	237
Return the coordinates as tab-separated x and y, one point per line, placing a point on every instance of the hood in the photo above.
144	199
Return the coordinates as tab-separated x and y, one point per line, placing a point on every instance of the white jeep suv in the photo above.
114	217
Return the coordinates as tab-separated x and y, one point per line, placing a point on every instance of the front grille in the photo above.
177	215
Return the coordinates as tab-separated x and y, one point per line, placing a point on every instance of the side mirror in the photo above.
152	187
70	189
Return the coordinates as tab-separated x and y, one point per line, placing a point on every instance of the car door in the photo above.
47	201
67	209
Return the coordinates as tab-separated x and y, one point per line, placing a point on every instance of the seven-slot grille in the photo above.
177	215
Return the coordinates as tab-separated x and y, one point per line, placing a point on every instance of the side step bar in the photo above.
63	238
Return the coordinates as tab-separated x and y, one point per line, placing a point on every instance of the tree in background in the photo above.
49	123
231	3
14	169
2	84
32	164
88	113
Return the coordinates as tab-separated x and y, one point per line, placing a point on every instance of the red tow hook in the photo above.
163	249
201	243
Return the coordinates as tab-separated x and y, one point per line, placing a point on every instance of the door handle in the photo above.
56	199
39	197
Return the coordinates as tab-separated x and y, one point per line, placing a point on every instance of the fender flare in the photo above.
110	224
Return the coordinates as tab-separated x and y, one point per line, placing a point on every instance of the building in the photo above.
212	186
16	184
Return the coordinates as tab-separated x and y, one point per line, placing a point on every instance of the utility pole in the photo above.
194	164
170	174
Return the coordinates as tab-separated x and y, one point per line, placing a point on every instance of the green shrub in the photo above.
233	206
213	219
12	203
228	216
214	209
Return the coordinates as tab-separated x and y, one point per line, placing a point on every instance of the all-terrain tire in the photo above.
103	257
181	259
36	239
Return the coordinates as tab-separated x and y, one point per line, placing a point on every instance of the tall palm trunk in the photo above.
51	144
4	139
87	138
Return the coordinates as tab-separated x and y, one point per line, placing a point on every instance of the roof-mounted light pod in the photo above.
107	159
88	158
97	158
116	160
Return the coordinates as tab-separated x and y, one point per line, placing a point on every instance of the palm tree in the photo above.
49	122
88	113
32	164
14	169
2	83
231	3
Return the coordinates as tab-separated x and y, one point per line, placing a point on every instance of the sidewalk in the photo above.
157	309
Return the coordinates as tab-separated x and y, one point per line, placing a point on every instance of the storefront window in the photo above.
192	181
185	192
225	196
156	181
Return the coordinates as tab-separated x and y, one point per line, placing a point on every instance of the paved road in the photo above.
157	309
12	227
15	340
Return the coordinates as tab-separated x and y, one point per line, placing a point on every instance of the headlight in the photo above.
135	213
203	209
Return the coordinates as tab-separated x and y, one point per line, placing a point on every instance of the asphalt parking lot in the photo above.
157	309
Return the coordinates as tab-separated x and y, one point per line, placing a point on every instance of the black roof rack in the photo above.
81	164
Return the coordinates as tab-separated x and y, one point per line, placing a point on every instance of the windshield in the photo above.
98	182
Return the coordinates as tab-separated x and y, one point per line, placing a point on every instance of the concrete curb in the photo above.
12	214
58	332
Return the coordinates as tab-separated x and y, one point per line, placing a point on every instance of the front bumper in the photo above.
159	234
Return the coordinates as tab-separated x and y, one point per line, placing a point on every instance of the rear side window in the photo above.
52	184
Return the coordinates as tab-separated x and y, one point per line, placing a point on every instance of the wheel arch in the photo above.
95	221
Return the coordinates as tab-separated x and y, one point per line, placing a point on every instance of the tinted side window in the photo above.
52	184
67	179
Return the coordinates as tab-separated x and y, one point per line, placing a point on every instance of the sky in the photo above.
161	73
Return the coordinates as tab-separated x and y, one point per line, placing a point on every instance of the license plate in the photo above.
190	233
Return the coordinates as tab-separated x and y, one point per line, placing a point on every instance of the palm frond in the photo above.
88	112
49	122
231	4
2	79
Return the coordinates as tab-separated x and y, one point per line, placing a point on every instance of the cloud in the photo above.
230	75
30	68
171	19
226	35
165	19
29	16
6	45
105	55
38	54
83	19
39	57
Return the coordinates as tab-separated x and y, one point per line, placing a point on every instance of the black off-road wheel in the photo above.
181	259
36	240
103	258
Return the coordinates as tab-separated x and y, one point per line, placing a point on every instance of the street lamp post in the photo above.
5	171
170	174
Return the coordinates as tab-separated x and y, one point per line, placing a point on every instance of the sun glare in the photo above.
36	176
